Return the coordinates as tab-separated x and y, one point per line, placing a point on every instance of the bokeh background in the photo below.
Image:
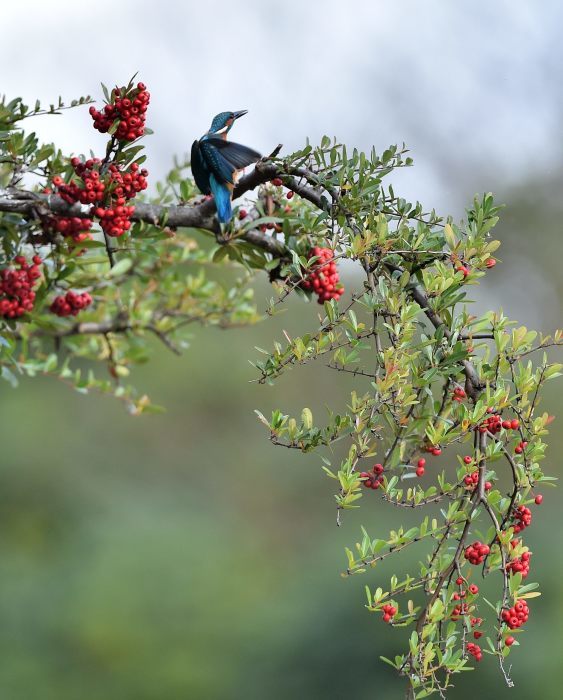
181	555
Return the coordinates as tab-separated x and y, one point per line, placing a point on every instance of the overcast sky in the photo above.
471	86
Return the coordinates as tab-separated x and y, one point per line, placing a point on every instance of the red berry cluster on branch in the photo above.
92	187
420	467
127	108
520	565
471	481
70	304
475	553
517	615
115	219
458	394
373	479
475	651
513	424
16	287
322	278
522	517
389	611
520	447
71	227
459	610
491	424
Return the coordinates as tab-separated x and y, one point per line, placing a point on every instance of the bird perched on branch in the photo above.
215	162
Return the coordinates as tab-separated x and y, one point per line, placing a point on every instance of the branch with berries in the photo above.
443	408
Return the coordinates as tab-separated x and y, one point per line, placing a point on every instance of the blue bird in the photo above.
215	162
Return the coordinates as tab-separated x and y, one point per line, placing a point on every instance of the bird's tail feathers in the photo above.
222	196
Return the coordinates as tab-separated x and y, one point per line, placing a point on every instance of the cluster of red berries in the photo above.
323	277
16	287
475	553
513	424
459	394
522	517
70	304
93	187
420	467
475	651
71	227
115	220
128	108
389	611
491	424
520	447
459	610
128	184
373	479
462	608
471	481
434	450
475	622
520	565
517	615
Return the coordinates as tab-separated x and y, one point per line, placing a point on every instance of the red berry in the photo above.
491	262
420	471
277	181
467	459
514	423
509	641
421	462
538	499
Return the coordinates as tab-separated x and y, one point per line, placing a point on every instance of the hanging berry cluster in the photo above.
521	564
70	304
322	278
471	481
522	518
517	615
17	295
127	111
90	187
71	227
475	651
475	553
389	612
373	479
115	217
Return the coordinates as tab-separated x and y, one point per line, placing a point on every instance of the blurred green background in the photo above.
181	555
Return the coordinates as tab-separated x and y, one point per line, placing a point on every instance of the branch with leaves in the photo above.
443	411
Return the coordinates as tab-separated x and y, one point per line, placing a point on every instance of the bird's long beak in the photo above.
241	113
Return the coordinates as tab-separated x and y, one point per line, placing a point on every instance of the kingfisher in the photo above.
215	162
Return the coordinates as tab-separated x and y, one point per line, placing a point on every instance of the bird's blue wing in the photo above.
222	197
235	154
200	170
216	164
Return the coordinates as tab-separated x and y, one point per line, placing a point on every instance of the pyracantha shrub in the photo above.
443	415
